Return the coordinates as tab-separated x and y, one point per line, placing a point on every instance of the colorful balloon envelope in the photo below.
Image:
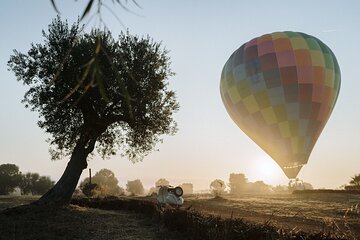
280	89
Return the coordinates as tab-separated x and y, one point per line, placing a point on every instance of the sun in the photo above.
264	168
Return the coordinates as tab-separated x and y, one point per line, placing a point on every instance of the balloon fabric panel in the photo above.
280	89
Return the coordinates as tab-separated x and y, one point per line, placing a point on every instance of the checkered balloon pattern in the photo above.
280	89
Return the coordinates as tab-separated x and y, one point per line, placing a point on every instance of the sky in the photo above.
200	35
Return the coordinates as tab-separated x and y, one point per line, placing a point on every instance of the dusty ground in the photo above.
76	222
333	213
308	212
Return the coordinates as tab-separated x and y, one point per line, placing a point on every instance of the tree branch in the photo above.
90	146
110	119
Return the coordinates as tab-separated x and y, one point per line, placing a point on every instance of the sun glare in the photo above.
264	168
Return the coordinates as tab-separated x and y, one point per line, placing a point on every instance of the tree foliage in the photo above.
135	187
33	183
162	182
103	183
29	183
237	183
10	178
258	187
89	189
129	109
355	180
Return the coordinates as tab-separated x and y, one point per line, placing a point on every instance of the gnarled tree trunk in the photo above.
62	192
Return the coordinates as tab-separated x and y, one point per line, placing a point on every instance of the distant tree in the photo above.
237	183
35	184
217	187
129	109
106	184
42	185
355	181
258	187
162	182
89	189
27	181
10	178
153	191
135	187
188	188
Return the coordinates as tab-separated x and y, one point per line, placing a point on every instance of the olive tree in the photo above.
10	178
355	181
162	182
35	184
135	187
128	110
237	183
106	183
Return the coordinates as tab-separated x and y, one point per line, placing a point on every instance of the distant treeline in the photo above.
11	180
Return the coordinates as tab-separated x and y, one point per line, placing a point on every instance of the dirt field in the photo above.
308	212
329	213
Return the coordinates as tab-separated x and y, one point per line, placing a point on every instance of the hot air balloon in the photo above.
280	89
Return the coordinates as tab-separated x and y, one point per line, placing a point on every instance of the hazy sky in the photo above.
200	35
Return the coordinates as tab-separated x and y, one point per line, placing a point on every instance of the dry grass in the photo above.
203	217
200	225
75	222
13	201
328	213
